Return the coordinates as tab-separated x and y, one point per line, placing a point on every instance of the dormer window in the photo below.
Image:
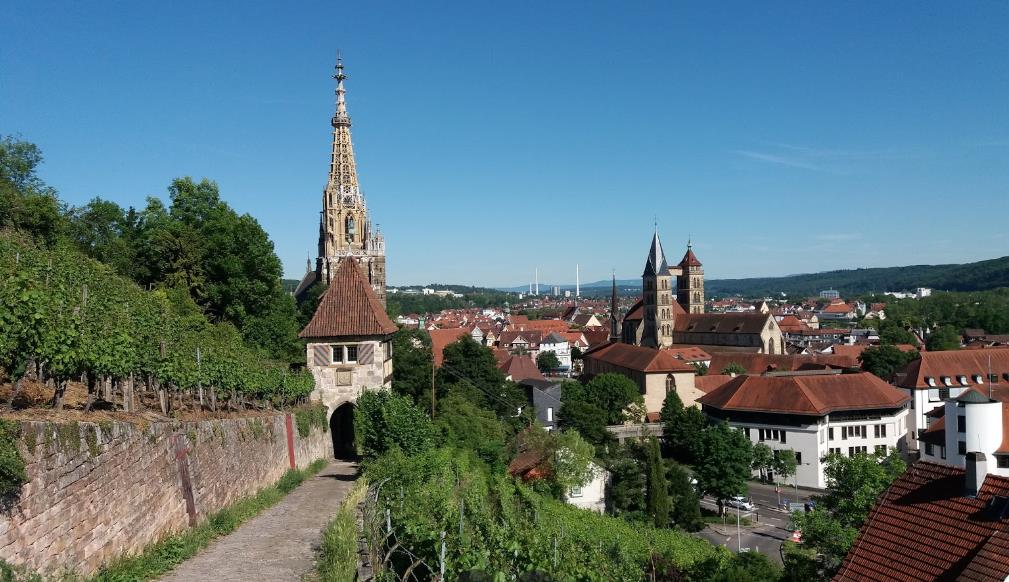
963	380
947	381
930	380
978	379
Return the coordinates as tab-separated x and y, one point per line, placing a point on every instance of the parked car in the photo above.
740	502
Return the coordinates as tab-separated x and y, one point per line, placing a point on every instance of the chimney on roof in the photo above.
977	470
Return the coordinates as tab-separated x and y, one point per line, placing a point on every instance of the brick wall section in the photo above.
118	487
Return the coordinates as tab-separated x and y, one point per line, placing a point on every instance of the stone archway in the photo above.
341	428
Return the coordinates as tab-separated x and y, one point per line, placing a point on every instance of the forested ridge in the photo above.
982	275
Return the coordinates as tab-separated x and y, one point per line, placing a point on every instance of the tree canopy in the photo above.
885	360
726	455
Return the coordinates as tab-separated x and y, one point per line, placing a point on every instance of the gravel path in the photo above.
278	544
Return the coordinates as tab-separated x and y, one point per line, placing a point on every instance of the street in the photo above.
770	525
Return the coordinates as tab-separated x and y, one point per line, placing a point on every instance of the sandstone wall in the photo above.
98	491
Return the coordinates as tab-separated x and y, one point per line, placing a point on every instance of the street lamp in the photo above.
739	535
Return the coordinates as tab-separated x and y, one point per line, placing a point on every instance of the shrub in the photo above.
386	421
311	416
12	466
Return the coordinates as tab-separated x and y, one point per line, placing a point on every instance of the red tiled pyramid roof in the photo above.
349	307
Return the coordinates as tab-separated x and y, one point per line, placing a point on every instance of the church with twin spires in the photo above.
669	316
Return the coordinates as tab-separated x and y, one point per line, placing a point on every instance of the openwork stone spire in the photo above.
342	168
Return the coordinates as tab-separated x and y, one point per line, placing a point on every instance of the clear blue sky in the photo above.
493	137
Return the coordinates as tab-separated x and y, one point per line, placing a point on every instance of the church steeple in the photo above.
614	312
656	297
345	227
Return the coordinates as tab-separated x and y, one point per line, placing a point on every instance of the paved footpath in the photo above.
278	544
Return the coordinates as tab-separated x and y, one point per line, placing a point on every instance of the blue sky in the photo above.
495	137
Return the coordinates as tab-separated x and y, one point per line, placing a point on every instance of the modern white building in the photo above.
972	422
813	414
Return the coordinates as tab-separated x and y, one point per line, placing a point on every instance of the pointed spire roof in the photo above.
349	307
656	263
343	166
689	259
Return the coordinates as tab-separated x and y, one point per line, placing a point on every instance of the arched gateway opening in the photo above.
341	427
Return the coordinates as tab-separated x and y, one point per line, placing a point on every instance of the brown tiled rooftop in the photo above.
923	527
349	307
805	394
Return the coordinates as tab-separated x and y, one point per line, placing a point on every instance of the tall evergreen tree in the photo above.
659	506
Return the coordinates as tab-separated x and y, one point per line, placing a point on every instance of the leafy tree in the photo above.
576	353
411	374
734	368
853	486
104	231
659	507
470	369
567	458
785	464
686	511
586	418
466	425
891	332
26	202
763	459
614	393
547	361
946	337
387	421
748	567
726	455
700	368
885	360
683	429
625	492
310	302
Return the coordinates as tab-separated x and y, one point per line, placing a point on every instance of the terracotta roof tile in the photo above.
349	307
721	322
441	338
805	394
638	358
521	368
952	364
760	363
924	528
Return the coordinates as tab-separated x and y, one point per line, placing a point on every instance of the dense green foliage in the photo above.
406	304
607	399
658	504
988	310
309	417
224	261
337	560
171	551
885	360
727	457
386	422
65	316
411	374
12	466
853	486
547	361
463	424
631	480
470	371
977	276
733	368
681	429
944	337
509	530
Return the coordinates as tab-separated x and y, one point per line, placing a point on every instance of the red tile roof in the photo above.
752	323
441	338
952	364
349	307
689	353
817	395
638	358
709	382
839	308
924	528
689	260
760	363
521	368
544	325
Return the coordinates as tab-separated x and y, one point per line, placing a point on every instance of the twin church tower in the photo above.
345	230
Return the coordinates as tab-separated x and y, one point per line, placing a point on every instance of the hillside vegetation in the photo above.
979	276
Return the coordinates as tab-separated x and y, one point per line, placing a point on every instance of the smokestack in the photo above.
578	288
537	280
977	470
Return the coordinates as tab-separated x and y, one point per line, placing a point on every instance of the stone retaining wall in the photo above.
98	491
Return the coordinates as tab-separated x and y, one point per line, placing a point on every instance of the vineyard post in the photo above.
441	562
199	380
555	553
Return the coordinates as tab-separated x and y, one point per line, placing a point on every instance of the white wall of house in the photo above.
561	349
592	495
923	402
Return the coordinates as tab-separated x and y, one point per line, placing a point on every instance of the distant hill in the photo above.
978	276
